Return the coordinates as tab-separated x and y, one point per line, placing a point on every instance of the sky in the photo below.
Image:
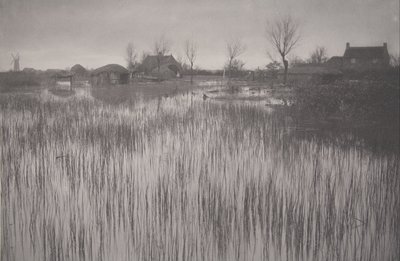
61	33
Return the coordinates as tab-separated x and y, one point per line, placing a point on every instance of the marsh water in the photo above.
187	178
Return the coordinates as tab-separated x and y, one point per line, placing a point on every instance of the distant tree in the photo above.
131	56
191	55
235	67
296	61
283	34
273	68
161	48
143	56
319	55
395	60
234	49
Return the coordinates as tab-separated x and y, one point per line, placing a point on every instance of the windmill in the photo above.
15	61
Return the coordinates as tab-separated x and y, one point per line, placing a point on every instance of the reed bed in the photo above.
180	178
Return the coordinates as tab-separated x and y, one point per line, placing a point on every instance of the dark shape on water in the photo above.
63	93
62	156
205	97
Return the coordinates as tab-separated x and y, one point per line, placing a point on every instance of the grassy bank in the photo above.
185	179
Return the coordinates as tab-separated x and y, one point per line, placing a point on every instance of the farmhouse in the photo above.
162	66
110	74
360	59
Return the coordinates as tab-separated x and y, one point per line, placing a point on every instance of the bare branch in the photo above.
161	46
283	35
235	48
131	55
191	51
319	55
191	54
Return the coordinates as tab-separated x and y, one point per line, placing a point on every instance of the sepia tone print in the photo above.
199	130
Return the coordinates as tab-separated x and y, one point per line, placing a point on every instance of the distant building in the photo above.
29	70
362	58
161	66
335	62
311	72
110	74
78	71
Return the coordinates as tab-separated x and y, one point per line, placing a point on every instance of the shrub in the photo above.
351	100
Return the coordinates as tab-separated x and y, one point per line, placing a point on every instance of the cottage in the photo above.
161	66
360	59
110	74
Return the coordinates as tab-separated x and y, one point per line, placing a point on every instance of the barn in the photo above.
109	74
161	66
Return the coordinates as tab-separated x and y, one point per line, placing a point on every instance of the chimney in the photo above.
385	45
347	45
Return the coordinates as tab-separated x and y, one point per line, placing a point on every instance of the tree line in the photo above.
283	35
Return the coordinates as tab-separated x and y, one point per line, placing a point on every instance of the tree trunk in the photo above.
229	69
286	65
191	73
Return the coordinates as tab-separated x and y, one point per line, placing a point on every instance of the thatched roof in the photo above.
116	68
374	52
78	69
151	62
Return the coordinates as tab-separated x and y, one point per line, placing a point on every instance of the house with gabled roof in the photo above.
367	58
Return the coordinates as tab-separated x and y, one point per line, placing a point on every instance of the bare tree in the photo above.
234	49
161	48
191	55
131	56
296	61
319	55
395	60
283	34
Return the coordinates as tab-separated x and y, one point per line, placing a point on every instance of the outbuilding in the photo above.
110	74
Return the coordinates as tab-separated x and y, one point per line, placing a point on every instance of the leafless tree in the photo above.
319	55
191	55
296	61
395	60
234	49
161	48
131	56
283	34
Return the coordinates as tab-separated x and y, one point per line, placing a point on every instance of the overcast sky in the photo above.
61	33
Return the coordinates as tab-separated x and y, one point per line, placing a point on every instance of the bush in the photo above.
351	100
19	79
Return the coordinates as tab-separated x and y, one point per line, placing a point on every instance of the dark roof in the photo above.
335	58
150	62
373	52
110	68
77	68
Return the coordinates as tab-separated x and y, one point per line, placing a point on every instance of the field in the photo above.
180	177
